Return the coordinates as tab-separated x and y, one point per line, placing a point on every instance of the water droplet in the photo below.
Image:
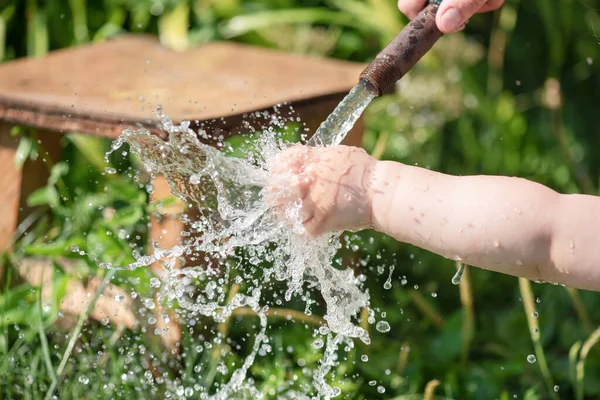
195	179
382	326
110	171
380	389
149	304
364	358
105	321
534	314
84	379
556	388
120	297
458	276
317	344
154	282
531	359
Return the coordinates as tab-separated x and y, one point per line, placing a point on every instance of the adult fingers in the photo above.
491	5
453	14
411	8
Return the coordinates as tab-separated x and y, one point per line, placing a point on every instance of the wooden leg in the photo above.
166	227
10	182
166	231
36	172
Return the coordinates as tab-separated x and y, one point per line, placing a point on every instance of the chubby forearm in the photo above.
508	225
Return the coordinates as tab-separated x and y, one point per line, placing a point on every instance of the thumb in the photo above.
452	14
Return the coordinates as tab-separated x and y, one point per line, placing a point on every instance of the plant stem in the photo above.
580	371
426	308
77	330
534	331
580	309
466	298
430	389
42	334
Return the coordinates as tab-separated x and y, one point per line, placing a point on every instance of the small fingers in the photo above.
289	160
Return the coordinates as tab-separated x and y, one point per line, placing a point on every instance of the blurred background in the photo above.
517	93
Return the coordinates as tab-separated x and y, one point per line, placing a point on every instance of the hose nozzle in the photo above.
403	52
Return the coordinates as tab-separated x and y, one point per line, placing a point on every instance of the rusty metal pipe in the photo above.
403	52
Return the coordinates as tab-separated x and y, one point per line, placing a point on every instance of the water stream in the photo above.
337	125
234	238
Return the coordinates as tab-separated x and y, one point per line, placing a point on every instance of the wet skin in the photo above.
505	224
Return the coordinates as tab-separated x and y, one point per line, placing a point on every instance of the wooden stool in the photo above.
101	89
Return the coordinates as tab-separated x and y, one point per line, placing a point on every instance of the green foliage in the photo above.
516	94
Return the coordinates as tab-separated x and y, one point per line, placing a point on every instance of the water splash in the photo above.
229	212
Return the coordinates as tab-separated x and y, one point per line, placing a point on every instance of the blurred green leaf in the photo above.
46	196
24	150
37	30
243	24
127	216
56	249
448	345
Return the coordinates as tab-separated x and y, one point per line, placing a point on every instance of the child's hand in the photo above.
323	189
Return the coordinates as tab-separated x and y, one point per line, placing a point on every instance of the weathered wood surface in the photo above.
103	88
10	184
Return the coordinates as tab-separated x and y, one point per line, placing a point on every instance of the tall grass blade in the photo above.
243	24
173	27
42	333
37	30
591	341
534	331
80	27
77	330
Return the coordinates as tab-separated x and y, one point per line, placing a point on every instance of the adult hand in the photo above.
452	14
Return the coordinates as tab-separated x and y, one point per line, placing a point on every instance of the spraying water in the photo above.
234	238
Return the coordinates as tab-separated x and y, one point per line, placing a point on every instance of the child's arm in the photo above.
509	225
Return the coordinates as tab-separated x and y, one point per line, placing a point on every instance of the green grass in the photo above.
477	104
